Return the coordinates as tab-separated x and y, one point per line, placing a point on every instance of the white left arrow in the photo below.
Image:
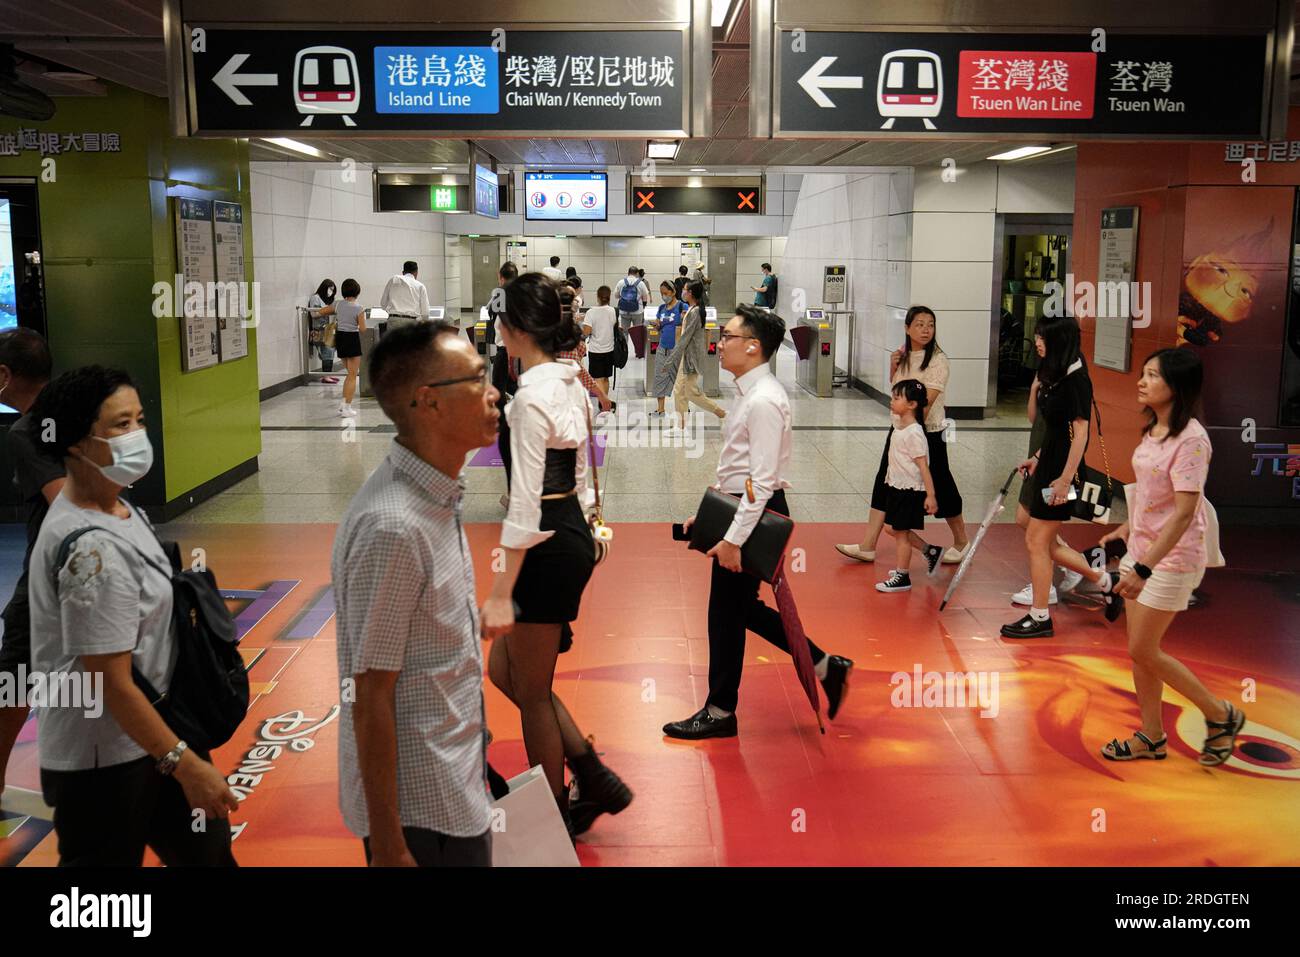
813	82
229	82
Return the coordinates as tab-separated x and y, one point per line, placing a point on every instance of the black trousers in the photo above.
734	608
105	817
502	383
432	849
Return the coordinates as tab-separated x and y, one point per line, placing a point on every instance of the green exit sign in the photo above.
442	197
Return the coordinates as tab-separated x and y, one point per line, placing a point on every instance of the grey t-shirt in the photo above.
346	313
108	600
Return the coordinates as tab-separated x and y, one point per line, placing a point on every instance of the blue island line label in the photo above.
410	79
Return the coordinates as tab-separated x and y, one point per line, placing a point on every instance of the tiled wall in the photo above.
309	224
605	260
909	237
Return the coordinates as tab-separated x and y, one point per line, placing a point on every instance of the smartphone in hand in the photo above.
680	534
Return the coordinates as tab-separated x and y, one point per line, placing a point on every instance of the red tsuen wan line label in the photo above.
1026	84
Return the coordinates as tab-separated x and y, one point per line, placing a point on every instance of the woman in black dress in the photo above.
1065	405
549	551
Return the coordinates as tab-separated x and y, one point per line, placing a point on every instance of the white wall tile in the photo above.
951	237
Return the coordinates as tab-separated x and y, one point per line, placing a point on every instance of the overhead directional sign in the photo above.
456	82
835	83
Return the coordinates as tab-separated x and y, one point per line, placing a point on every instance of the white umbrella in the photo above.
994	507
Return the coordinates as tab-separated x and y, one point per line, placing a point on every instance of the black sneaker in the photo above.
1027	627
932	555
1114	600
897	581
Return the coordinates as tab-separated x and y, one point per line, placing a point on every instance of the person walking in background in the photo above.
705	282
631	295
681	280
549	553
765	291
553	270
598	323
688	359
322	297
347	339
919	358
669	320
25	365
909	486
412	738
1167	554
755	457
404	295
571	301
1065	402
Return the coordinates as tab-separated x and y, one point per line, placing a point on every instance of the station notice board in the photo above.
228	223
1112	346
210	252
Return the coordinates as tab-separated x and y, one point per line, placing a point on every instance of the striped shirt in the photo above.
404	593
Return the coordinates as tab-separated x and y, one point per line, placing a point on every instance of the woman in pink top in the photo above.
1167	556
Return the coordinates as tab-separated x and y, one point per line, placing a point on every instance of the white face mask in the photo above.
132	457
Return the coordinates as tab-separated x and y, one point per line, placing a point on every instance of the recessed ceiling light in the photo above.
698	169
437	167
1020	152
662	150
294	145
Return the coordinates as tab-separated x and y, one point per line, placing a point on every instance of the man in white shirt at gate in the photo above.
405	296
756	448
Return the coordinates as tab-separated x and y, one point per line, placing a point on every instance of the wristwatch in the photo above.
168	762
1142	570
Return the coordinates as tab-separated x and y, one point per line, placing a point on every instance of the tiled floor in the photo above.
889	783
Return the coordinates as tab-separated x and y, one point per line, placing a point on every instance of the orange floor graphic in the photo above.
955	746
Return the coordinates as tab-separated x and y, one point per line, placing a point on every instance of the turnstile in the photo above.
652	358
374	332
712	361
816	369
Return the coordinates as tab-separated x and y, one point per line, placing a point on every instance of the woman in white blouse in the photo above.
548	547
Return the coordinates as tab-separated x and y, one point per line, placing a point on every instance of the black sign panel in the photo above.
861	84
697	199
453	82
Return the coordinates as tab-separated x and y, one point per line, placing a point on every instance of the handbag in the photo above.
761	554
527	830
601	534
1093	501
328	335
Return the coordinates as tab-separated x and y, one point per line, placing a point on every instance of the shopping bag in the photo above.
527	830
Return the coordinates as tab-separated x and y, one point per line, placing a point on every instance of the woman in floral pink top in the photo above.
1167	556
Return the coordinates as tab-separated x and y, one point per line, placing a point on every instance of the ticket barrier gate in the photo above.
652	358
814	340
712	361
480	338
376	325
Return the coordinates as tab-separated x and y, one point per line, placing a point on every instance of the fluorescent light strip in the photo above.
294	145
1020	152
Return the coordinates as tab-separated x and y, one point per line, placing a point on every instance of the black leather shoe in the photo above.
1028	628
836	684
702	725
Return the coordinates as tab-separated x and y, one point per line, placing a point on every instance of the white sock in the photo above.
822	668
1105	582
1039	614
717	713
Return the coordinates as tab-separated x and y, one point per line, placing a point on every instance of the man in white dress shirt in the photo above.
405	296
756	447
553	270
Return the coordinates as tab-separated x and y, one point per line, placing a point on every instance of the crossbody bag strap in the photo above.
591	457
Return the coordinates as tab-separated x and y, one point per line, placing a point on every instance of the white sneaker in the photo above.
1070	580
343	411
351	411
1026	596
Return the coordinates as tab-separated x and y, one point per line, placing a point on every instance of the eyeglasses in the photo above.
484	377
732	335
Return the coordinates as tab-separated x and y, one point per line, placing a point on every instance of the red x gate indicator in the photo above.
644	199
747	199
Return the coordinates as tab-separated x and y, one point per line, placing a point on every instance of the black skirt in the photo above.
945	486
905	510
1052	459
600	364
348	344
555	572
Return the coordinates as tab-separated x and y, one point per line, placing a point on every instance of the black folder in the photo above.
761	554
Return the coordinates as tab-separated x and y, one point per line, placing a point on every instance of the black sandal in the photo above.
1119	750
1211	756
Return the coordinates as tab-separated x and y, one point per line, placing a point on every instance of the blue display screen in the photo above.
565	196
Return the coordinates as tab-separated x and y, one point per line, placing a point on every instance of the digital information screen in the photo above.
486	192
565	196
8	276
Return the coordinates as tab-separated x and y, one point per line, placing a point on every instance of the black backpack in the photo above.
208	696
620	346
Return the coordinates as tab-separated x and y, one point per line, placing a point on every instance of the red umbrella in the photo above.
797	640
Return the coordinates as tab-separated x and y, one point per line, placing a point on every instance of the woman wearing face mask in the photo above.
669	319
119	779
919	358
322	297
